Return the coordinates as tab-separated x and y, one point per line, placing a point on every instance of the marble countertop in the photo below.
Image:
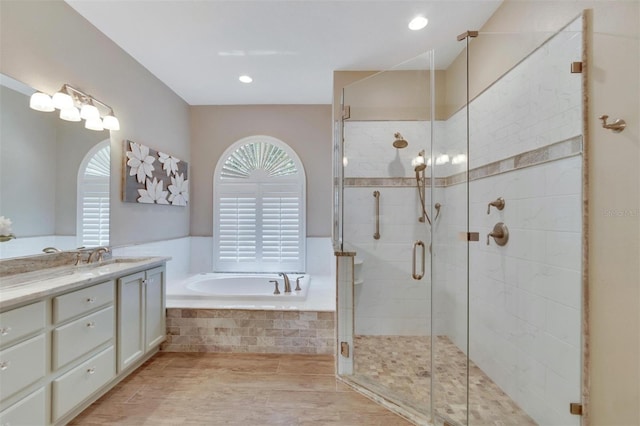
22	288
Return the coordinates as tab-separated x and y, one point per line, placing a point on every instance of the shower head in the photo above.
418	162
399	142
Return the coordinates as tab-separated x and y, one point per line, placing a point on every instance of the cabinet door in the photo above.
130	319
155	307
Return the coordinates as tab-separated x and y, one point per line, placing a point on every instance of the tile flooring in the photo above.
235	389
399	367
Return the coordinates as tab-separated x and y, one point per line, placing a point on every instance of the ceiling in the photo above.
289	48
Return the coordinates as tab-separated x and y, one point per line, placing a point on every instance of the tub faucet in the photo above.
287	283
98	254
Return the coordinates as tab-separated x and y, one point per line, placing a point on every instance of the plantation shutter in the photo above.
259	211
93	194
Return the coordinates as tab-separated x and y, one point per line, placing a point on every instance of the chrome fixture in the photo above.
98	253
376	195
399	142
500	234
415	275
277	290
75	105
419	166
438	206
51	250
287	283
617	126
498	203
298	283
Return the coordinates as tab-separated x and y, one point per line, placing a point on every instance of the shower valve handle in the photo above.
497	203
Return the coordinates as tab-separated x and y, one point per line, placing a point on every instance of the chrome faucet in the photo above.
98	253
287	283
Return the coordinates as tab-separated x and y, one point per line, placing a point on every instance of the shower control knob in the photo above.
500	234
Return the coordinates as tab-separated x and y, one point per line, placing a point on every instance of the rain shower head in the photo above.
399	142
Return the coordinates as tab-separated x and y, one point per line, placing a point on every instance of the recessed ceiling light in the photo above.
418	23
245	79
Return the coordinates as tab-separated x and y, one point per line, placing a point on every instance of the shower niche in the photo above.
447	329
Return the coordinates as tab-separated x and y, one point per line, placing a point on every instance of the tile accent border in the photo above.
553	152
250	331
556	151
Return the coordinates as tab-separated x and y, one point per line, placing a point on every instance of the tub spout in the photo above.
287	283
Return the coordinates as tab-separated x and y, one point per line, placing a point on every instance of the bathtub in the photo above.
250	291
246	286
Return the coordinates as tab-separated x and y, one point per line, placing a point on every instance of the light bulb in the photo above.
110	122
418	23
62	100
89	111
70	114
41	102
94	124
442	159
245	79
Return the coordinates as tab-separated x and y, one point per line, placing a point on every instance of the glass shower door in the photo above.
386	222
450	253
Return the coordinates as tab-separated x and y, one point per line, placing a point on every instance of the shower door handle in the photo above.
376	195
415	250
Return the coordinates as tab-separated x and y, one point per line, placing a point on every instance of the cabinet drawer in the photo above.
80	336
22	365
29	411
81	301
21	322
75	386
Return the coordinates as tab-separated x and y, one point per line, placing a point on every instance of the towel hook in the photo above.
617	126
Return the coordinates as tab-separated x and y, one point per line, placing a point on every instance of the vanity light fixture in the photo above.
418	23
75	105
70	114
245	79
41	102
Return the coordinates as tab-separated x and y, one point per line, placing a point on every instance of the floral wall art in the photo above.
154	177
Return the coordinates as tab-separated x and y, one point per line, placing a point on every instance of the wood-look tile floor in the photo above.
235	389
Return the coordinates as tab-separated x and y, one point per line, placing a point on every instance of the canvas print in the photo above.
154	177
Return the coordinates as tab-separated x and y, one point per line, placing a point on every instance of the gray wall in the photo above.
46	44
305	128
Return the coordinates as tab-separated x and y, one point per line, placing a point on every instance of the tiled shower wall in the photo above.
388	301
524	298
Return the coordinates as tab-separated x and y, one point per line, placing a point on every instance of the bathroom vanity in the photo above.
68	334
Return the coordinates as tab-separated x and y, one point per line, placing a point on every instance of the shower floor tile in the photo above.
399	367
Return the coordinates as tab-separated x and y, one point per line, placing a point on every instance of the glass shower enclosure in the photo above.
458	222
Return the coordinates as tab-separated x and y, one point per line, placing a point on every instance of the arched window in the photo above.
93	196
259	208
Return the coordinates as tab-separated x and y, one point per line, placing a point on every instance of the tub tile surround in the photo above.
525	298
253	331
194	325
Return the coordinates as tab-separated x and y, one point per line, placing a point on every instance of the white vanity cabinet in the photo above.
23	365
141	317
60	350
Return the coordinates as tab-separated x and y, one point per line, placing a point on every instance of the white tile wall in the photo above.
524	298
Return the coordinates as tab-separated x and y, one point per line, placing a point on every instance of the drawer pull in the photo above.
91	370
4	365
91	324
4	331
91	300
